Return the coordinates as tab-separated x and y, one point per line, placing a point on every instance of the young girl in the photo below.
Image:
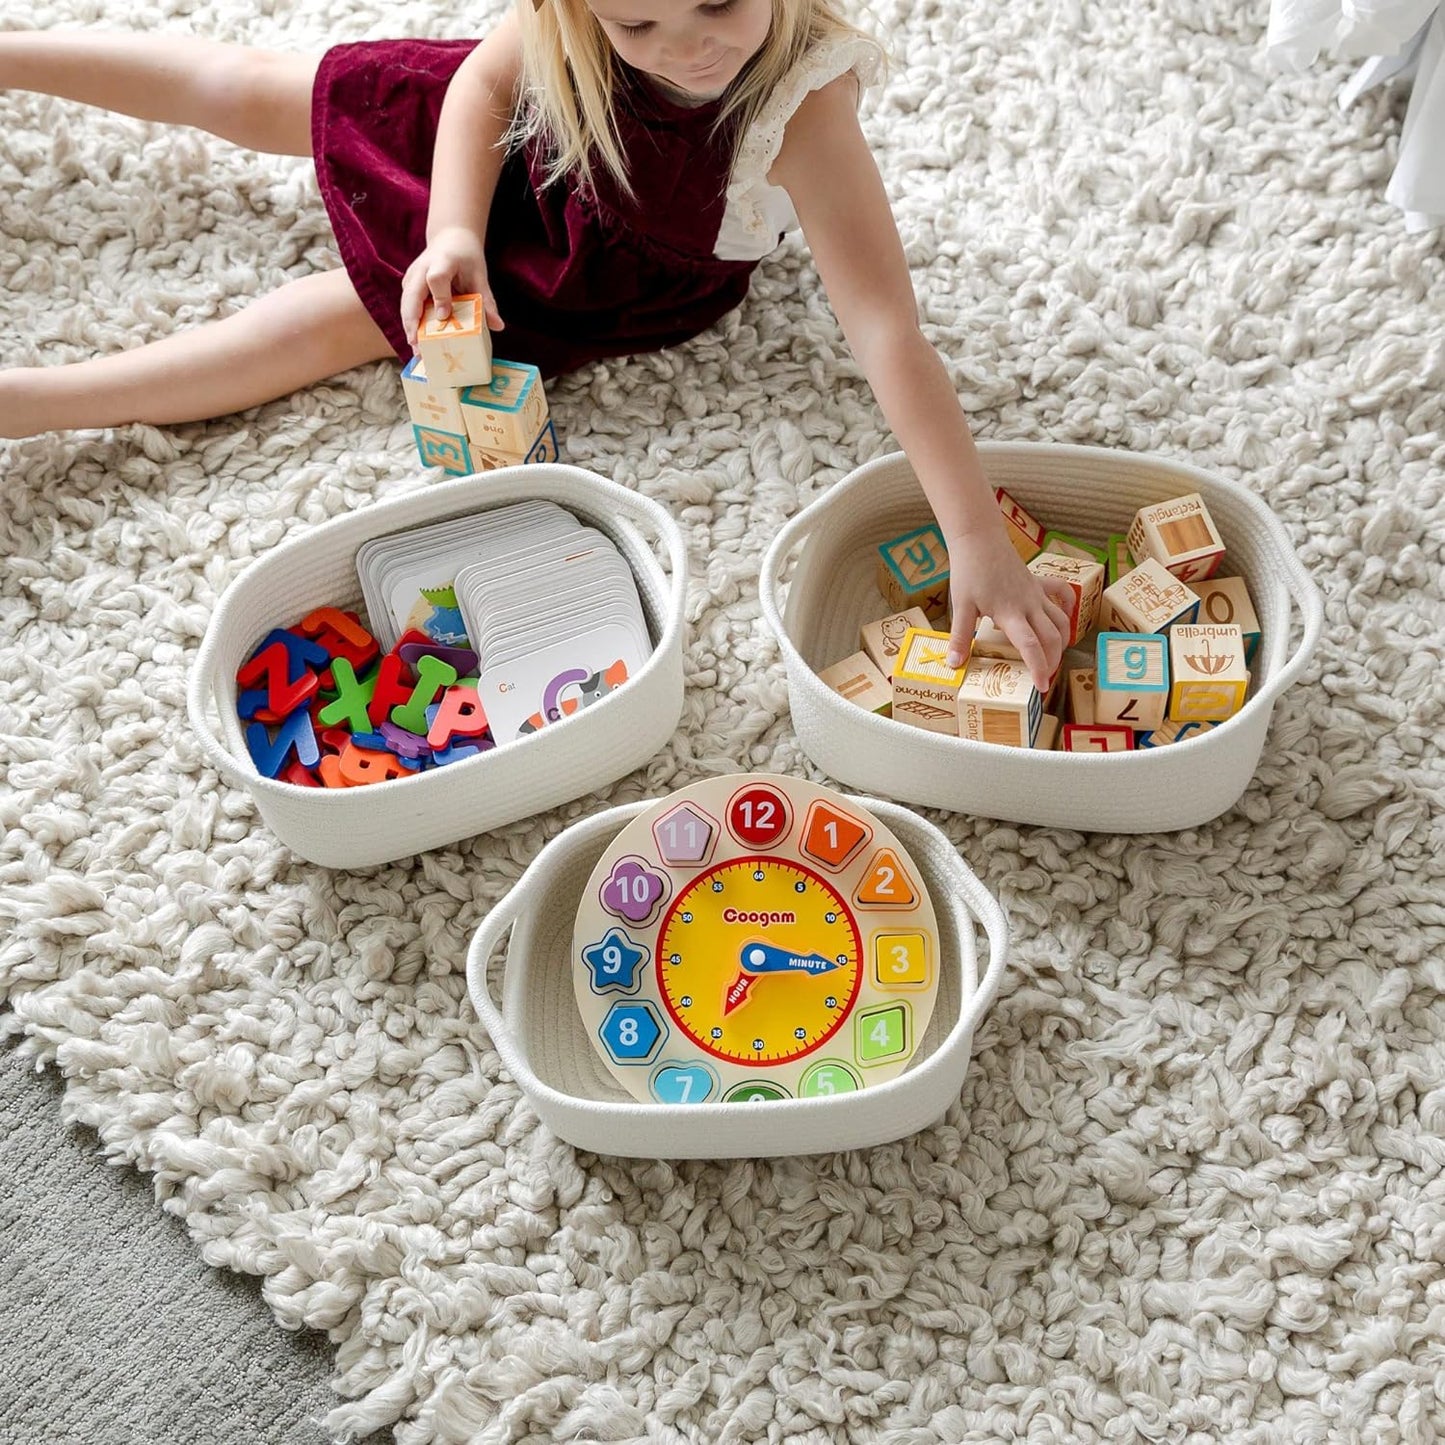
607	173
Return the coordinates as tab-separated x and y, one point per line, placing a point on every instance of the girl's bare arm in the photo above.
827	169
466	166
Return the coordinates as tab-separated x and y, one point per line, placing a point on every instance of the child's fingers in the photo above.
439	284
960	639
1034	654
489	310
1059	593
1048	628
411	297
1058	614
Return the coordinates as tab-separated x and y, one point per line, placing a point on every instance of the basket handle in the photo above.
989	912
517	900
492	930
1306	596
664	527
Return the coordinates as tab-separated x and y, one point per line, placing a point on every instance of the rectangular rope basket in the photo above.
539	1036
360	827
1090	492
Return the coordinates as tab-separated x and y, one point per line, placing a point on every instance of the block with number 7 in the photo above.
1131	683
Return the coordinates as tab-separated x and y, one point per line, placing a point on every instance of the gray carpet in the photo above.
112	1330
1193	1184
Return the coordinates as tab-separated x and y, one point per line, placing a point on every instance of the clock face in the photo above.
754	938
758	961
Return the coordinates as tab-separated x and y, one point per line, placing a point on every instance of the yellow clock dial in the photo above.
754	938
758	961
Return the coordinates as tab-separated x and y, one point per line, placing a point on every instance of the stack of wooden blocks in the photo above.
1167	642
470	412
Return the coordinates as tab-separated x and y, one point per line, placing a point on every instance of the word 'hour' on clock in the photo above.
754	938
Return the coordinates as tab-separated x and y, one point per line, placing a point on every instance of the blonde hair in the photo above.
570	73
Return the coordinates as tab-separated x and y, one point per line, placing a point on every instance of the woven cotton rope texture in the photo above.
1193	1177
357	827
1093	492
545	1047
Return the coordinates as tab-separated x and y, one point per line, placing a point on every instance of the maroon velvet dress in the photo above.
577	276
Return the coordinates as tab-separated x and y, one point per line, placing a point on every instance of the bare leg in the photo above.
308	330
257	98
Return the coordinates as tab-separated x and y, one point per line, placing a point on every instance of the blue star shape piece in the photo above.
614	962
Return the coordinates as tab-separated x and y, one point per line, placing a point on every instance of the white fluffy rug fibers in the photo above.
1193	1187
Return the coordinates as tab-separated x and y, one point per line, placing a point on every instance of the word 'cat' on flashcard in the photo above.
548	606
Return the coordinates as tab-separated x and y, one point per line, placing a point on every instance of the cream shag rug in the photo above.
1192	1189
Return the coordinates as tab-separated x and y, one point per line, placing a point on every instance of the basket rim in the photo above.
438	501
1303	592
962	900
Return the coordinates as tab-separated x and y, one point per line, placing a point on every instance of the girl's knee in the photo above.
335	321
260	98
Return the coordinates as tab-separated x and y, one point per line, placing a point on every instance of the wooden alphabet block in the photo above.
1131	684
456	352
882	639
1074	658
1208	672
444	450
1180	534
544	448
1119	559
506	417
1048	737
997	703
1170	731
436	408
1024	531
1149	599
925	688
859	681
1081	695
990	640
1063	545
1086	582
1100	738
913	572
1223	600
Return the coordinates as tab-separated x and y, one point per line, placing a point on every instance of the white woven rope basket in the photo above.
539	1035
358	827
1090	492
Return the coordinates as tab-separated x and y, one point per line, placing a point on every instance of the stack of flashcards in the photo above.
556	626
407	577
547	608
472	412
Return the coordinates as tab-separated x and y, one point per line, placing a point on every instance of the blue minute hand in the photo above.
765	958
758	958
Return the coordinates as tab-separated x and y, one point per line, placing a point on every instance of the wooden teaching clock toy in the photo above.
755	937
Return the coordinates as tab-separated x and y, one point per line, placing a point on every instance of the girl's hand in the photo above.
453	264
986	576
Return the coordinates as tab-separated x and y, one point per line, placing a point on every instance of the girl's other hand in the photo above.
453	264
987	577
